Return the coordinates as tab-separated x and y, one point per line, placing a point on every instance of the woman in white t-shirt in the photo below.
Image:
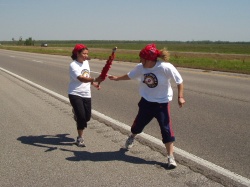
156	93
79	89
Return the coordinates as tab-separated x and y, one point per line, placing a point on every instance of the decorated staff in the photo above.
108	64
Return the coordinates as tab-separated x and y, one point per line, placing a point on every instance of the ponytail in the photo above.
164	54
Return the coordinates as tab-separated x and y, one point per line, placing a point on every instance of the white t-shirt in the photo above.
155	83
77	87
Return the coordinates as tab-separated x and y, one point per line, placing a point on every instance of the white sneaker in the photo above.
171	162
80	142
129	142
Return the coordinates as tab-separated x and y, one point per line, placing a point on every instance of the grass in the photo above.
228	57
234	65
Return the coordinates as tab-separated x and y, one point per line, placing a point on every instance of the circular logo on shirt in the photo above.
150	80
85	73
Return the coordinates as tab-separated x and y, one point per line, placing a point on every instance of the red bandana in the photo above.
77	48
150	52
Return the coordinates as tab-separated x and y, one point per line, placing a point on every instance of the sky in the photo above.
162	20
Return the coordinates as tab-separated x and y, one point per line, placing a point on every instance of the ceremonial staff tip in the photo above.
114	49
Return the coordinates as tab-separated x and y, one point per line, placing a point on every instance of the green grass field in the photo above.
217	56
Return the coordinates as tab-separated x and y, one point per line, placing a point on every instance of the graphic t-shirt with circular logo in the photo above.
155	83
77	87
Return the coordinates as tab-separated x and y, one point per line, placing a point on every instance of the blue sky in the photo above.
172	20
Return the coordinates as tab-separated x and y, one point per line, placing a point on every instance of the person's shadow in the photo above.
119	155
47	141
50	142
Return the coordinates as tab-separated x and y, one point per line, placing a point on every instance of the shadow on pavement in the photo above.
42	140
52	141
119	155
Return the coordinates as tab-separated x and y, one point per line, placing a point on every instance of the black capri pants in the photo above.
82	110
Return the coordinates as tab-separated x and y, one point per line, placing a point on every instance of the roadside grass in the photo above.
233	65
237	63
43	50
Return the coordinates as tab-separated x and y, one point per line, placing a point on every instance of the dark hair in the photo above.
74	56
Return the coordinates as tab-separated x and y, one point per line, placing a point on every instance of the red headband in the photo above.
77	48
150	52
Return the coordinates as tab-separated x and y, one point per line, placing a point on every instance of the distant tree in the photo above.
29	42
20	41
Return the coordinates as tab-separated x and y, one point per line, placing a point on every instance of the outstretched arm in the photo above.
181	99
89	79
93	81
115	78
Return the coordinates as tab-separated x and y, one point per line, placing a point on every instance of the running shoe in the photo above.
129	142
171	162
80	142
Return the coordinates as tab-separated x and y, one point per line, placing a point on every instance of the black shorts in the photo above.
82	110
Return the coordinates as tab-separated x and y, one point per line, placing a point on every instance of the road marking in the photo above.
218	172
98	73
38	61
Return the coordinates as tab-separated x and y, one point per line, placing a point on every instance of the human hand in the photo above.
99	79
97	85
181	101
111	77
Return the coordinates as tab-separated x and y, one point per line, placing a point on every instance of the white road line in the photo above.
94	72
203	166
38	61
98	73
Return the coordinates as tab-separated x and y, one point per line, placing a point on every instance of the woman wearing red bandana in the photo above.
156	93
79	89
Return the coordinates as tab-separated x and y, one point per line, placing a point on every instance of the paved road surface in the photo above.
216	110
37	148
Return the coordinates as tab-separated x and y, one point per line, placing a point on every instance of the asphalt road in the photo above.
214	123
37	141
